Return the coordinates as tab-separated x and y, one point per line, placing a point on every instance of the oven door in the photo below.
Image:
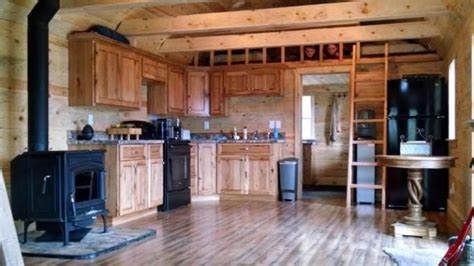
177	166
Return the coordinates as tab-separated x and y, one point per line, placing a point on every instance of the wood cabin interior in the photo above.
240	68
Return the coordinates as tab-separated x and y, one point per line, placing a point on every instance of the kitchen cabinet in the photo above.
197	93
203	169
133	185
258	81
248	169
103	73
207	180
176	90
156	175
154	70
218	101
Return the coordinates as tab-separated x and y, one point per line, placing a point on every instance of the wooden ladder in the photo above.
368	91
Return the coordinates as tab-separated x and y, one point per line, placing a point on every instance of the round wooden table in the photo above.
415	224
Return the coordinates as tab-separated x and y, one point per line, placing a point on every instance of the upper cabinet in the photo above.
197	93
260	81
103	73
154	70
176	90
218	102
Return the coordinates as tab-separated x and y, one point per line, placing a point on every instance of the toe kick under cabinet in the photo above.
248	171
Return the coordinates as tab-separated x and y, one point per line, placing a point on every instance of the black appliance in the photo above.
148	129
176	180
168	128
418	102
62	191
59	190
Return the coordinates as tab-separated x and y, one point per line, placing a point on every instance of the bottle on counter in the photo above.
245	133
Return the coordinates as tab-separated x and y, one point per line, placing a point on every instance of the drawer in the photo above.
132	152
156	151
232	149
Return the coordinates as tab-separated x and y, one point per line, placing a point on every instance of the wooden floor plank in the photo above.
226	232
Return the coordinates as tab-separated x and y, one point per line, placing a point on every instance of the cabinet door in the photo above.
197	100
176	90
142	184
107	77
231	170
265	81
236	83
156	182
193	171
154	70
207	180
258	178
127	188
218	101
130	79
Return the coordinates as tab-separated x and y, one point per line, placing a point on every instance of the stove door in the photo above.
177	167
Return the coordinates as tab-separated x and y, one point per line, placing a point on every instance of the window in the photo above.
452	100
307	117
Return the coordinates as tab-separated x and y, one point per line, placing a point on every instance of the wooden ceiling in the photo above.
185	26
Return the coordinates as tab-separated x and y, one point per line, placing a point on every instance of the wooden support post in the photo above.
341	51
246	56
321	52
211	58
283	54
301	53
196	59
229	57
264	55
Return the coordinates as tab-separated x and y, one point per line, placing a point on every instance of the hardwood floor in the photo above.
226	232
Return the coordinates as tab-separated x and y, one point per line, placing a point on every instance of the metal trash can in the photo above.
288	178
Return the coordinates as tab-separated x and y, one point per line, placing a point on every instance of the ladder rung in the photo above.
366	186
366	164
372	99
370	76
379	120
367	142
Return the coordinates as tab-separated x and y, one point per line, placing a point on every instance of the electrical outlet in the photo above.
206	124
278	124
271	125
90	119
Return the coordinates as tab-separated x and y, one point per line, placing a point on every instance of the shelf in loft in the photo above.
368	141
359	121
369	186
369	99
375	60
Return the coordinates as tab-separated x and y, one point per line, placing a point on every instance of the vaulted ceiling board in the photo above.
393	48
74	6
385	32
296	16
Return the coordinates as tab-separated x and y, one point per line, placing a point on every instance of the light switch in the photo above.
206	124
90	119
272	124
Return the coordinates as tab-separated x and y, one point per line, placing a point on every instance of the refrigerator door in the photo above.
417	96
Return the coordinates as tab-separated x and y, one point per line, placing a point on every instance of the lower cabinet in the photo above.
247	169
203	169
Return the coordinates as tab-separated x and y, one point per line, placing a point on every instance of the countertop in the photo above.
113	142
249	141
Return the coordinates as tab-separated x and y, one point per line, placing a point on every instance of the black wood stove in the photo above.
62	191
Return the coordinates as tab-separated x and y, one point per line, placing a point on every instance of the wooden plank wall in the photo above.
329	160
461	176
13	76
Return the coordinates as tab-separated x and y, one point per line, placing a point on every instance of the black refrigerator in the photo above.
418	102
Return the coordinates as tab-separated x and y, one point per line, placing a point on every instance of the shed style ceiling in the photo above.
185	26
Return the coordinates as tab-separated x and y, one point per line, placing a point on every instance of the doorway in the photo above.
325	124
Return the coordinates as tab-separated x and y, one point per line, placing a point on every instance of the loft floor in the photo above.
226	232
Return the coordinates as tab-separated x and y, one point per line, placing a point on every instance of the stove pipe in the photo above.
38	73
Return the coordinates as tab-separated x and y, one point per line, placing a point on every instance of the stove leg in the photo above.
26	224
104	221
65	228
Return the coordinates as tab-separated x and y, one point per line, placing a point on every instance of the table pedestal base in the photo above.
425	230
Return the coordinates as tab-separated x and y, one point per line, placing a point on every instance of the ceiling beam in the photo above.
284	18
383	32
76	6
